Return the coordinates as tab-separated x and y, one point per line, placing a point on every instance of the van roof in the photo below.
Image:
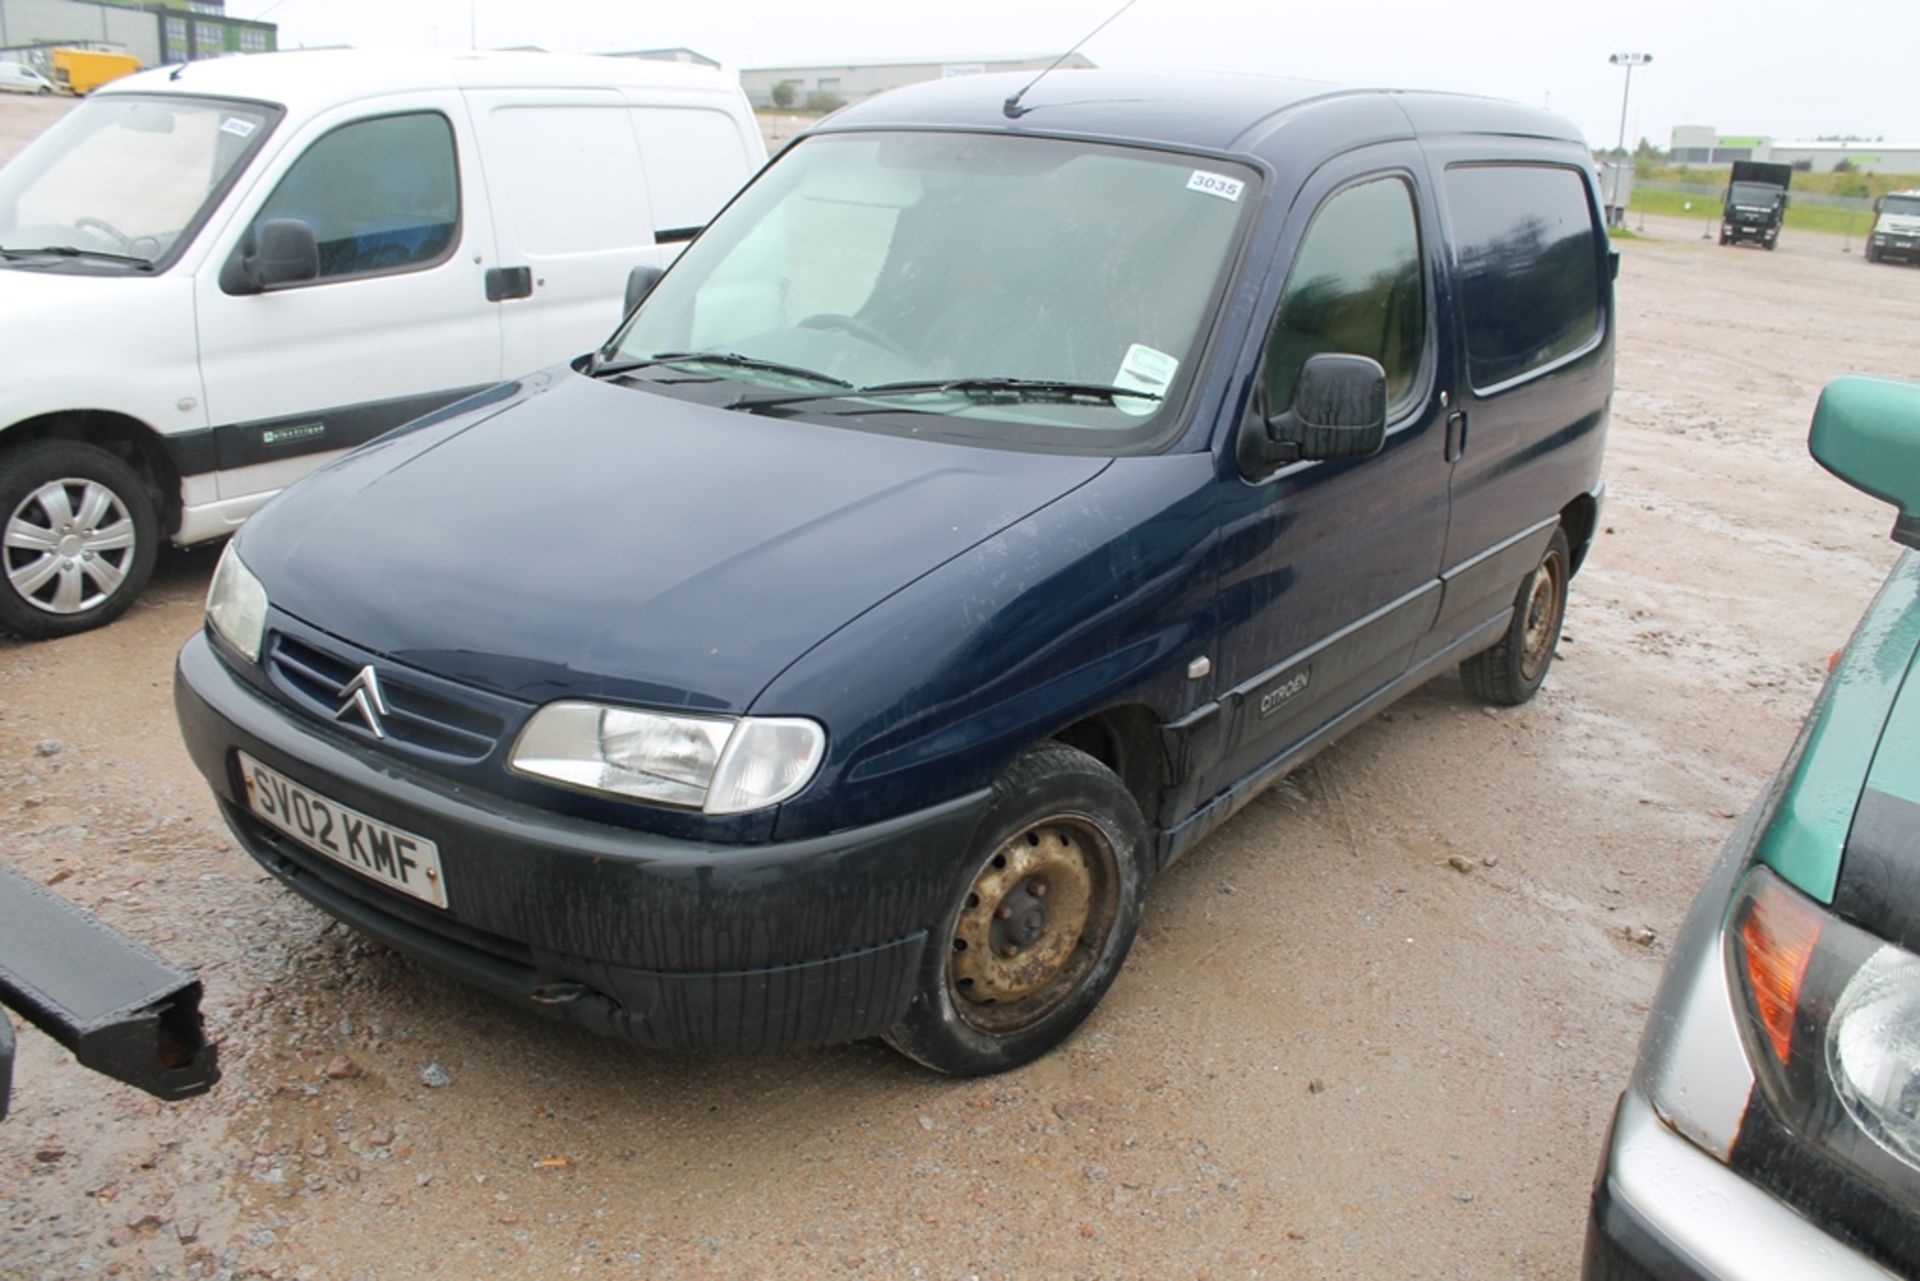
1213	111
310	80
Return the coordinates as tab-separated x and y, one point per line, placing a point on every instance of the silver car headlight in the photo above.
719	764
237	605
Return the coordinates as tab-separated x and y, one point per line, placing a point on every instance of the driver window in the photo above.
382	196
1356	288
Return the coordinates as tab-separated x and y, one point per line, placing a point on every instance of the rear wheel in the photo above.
1040	923
79	538
1510	673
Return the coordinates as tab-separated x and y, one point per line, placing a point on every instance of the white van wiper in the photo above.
68	251
984	390
730	359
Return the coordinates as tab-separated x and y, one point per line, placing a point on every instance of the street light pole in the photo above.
1629	61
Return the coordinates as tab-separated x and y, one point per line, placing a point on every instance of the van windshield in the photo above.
1023	290
124	176
1902	206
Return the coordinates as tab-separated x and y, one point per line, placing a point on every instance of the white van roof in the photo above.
313	80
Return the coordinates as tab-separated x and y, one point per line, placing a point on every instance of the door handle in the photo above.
1456	434
509	282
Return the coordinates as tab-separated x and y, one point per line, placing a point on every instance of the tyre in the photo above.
1509	674
1039	922
1870	253
78	541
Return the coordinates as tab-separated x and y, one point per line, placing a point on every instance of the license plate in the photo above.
379	851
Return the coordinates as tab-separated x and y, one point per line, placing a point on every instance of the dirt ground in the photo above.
1332	1053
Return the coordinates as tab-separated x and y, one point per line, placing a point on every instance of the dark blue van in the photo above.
997	496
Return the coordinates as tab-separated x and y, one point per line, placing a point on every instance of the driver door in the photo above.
396	323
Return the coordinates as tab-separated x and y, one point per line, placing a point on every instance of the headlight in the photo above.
237	605
1873	1051
1833	1017
723	765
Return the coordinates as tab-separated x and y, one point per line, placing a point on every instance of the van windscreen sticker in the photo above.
1216	184
238	127
1145	369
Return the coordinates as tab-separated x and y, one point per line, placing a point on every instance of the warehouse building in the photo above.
1703	145
157	32
852	81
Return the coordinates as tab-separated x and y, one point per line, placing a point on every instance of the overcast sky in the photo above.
1762	67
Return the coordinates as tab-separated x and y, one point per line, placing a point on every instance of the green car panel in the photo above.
1896	765
1839	744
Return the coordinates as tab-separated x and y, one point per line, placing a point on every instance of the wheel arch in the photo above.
126	437
1126	739
1579	519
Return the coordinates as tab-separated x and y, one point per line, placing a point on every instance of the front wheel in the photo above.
1511	672
79	541
1039	922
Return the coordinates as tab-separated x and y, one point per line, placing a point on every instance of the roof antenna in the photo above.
1012	109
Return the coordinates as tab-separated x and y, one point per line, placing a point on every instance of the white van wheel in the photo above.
79	538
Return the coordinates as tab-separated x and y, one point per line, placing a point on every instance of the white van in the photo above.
217	276
16	77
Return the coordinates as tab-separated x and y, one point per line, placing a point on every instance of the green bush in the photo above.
783	95
822	101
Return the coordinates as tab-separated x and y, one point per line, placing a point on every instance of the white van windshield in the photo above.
1023	289
123	176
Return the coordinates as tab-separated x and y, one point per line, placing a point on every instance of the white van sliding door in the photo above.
571	207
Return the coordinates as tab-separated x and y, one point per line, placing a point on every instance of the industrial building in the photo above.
1703	145
157	32
852	81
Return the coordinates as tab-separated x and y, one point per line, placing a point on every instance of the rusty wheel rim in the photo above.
1033	923
1542	618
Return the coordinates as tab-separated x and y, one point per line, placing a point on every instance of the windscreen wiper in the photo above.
68	251
729	359
984	390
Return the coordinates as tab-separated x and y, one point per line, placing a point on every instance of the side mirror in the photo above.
640	283
1339	411
1866	431
279	251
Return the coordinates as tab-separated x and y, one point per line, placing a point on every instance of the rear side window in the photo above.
1355	287
1529	266
381	195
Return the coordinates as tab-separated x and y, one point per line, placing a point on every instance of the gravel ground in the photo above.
1332	1053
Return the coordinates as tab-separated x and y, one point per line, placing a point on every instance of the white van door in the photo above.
571	211
398	320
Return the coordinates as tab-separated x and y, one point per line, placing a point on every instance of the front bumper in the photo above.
665	942
1663	1209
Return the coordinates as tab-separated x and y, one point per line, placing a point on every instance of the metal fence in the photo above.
1714	193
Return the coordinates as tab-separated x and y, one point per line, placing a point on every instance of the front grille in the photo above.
423	714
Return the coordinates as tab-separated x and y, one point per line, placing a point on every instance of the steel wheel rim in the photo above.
68	546
1542	618
1050	893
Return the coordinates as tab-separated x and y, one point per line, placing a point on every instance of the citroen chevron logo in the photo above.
362	695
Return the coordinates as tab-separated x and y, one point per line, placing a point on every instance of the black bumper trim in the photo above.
784	1007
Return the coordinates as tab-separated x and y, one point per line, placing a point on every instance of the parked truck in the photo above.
1896	228
1756	203
81	71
